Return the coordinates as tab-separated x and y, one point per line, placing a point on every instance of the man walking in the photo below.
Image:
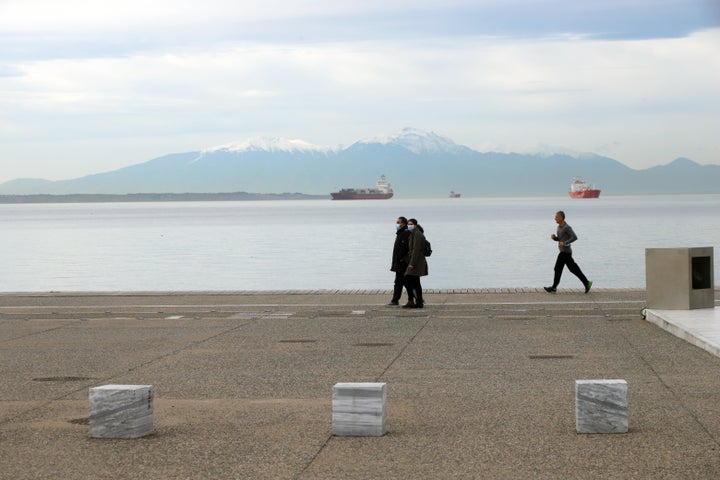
565	236
400	260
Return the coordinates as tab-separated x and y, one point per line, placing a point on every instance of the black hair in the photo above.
561	213
417	225
403	220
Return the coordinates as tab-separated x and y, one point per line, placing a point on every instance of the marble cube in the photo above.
601	406
359	409
121	411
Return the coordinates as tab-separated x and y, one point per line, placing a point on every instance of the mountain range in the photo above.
418	163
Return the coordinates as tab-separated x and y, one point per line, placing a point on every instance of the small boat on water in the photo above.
382	191
454	194
579	188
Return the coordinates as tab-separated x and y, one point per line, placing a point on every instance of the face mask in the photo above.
411	227
398	226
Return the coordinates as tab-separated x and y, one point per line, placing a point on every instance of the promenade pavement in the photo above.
480	385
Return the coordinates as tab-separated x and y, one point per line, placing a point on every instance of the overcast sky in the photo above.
89	86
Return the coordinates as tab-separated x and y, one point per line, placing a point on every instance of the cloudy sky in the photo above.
89	86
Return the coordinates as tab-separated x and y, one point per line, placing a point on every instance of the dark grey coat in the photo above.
417	254
565	234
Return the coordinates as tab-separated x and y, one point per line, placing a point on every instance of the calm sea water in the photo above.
323	244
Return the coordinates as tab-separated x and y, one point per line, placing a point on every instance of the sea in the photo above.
339	245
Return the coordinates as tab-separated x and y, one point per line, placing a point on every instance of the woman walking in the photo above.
417	265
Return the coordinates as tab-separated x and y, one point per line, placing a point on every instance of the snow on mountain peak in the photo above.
545	150
270	144
417	141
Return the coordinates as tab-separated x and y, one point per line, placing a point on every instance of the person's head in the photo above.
412	225
559	217
402	221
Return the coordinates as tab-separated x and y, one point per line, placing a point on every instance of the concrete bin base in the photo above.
679	278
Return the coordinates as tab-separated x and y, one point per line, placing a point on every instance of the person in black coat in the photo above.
400	253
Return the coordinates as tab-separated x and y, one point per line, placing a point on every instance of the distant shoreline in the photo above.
154	197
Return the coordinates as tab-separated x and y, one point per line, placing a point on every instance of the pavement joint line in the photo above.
546	303
675	395
190	345
103	381
219	293
70	322
5	309
402	350
377	379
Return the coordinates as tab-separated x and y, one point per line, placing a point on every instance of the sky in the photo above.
88	87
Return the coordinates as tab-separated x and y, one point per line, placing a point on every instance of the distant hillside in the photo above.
417	163
153	197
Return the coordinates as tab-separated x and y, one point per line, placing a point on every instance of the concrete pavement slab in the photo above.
480	385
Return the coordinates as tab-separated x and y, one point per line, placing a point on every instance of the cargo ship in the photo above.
382	191
582	189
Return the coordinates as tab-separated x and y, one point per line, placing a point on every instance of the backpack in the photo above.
428	248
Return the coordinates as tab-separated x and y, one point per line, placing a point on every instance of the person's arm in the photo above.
568	236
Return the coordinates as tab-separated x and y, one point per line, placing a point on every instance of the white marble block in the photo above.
359	409
121	411
601	406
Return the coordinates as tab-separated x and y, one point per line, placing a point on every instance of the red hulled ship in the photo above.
382	191
582	189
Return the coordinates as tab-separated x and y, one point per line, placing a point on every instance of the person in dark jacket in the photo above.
565	236
417	265
400	259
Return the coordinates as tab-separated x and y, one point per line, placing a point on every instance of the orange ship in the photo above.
582	189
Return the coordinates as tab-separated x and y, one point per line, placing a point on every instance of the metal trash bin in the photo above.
679	278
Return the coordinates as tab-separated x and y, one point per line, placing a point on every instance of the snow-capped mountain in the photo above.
411	139
270	144
417	163
418	142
